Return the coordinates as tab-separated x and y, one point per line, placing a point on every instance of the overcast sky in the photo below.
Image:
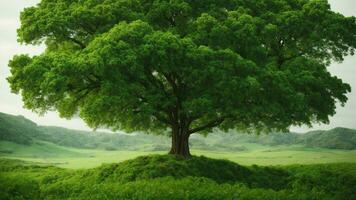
12	104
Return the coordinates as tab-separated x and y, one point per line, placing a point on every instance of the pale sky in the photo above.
12	104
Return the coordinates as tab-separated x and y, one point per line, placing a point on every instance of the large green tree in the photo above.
184	66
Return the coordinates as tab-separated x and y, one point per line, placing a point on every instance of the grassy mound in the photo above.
170	177
220	171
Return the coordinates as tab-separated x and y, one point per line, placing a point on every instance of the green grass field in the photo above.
259	172
162	177
48	153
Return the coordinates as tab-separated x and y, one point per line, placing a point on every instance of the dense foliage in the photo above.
168	177
186	65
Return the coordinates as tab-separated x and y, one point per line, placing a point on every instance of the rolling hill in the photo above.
20	130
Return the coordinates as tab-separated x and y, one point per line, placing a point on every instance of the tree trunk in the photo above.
180	143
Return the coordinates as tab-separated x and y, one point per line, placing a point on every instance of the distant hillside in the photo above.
337	138
23	131
100	140
17	129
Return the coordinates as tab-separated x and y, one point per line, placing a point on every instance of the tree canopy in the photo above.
184	65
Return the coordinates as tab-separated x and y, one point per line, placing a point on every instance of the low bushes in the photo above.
169	177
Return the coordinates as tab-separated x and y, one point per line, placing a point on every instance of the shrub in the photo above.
169	177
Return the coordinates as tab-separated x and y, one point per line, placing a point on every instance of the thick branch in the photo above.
177	111
210	124
155	82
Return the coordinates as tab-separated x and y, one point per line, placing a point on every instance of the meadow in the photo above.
55	163
68	157
170	177
44	170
